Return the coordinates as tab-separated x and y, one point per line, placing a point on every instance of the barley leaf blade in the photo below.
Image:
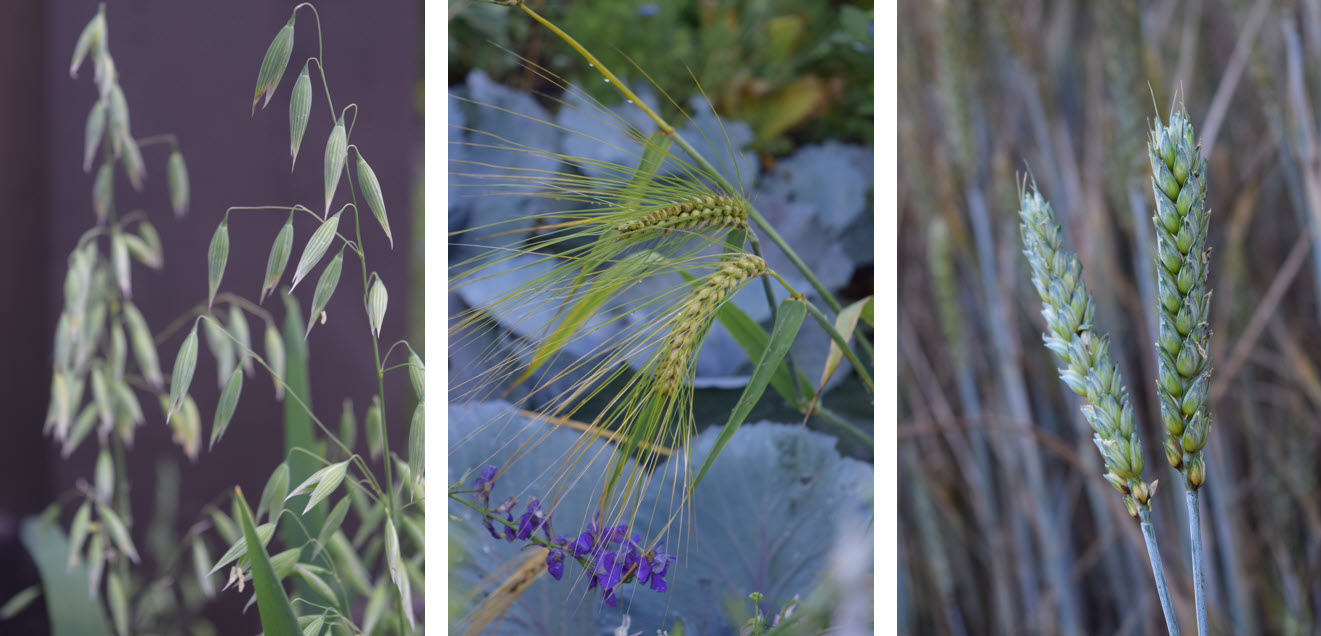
229	399
216	255
788	319
316	248
277	614
845	322
655	151
325	288
371	190
185	363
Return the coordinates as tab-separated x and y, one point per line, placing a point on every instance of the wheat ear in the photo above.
1178	179
1068	310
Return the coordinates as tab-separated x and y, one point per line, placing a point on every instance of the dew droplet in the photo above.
590	65
607	80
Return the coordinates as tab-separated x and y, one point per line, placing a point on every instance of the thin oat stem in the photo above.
839	422
159	139
1158	571
320	53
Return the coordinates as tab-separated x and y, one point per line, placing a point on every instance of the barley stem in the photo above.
1195	535
1158	570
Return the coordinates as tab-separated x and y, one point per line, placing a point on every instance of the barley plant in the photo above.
584	300
350	518
1006	525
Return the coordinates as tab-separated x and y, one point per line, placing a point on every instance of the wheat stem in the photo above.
1158	571
1195	536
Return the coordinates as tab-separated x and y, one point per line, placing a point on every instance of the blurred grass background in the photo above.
1006	525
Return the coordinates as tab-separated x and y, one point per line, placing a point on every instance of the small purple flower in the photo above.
555	563
487	476
505	509
582	545
648	10
534	518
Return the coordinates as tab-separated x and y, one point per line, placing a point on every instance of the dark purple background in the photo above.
189	68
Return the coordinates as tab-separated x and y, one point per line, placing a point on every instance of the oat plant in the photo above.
106	362
1068	310
363	584
621	272
1178	180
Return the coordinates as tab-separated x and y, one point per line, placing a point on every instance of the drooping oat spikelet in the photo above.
1068	309
694	318
699	212
1179	183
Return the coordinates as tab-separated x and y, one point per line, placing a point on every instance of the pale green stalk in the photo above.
1178	182
1069	312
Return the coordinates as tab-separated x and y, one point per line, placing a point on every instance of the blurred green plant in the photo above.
784	67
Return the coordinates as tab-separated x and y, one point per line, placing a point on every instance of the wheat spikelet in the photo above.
1068	310
1179	183
699	212
694	317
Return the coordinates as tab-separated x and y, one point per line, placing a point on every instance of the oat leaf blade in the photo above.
300	107
185	364
176	179
216	256
316	248
336	152
273	65
279	258
277	614
788	319
64	587
322	483
325	288
371	190
229	400
377	300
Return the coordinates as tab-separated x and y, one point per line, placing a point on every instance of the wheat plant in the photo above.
1178	181
1088	371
